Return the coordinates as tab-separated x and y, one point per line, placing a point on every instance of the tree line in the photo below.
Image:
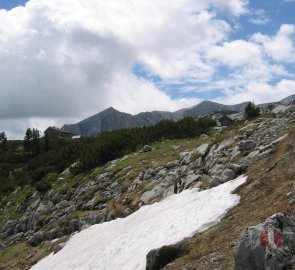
111	145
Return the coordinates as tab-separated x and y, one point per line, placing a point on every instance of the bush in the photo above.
43	186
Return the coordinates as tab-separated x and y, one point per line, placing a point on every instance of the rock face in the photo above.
156	259
269	245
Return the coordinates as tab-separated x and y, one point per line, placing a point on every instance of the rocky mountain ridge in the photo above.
112	119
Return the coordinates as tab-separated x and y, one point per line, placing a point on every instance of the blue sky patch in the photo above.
9	4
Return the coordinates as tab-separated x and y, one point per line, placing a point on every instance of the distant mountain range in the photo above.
111	119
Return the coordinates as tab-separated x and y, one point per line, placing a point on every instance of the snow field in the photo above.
123	244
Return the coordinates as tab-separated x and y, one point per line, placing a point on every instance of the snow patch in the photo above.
124	243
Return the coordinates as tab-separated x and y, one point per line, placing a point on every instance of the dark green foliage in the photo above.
46	142
43	186
28	140
7	184
40	167
251	111
36	142
111	145
46	183
3	141
18	167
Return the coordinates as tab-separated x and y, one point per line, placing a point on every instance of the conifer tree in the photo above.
46	142
3	141
28	140
35	141
251	111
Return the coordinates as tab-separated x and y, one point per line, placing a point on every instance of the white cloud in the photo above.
261	92
281	46
235	53
259	17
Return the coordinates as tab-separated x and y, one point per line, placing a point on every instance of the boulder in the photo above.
222	173
186	157
147	148
37	239
151	194
189	180
247	146
8	228
202	150
59	247
149	174
156	259
172	164
269	245
225	144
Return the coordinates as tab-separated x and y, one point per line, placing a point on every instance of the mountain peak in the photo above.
110	109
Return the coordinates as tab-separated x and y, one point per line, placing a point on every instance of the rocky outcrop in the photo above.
269	245
156	259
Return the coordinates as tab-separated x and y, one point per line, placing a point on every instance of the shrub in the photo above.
43	186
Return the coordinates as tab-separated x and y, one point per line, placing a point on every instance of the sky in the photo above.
62	61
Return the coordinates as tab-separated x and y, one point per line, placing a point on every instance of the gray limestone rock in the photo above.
202	150
156	259
151	194
172	164
247	146
37	239
59	247
147	148
269	245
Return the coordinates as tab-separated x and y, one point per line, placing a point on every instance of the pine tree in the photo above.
46	142
251	111
35	142
28	140
3	141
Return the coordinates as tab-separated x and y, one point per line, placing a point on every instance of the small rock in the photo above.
172	164
59	247
156	259
247	146
202	150
147	148
36	239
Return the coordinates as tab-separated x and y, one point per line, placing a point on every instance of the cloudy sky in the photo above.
61	61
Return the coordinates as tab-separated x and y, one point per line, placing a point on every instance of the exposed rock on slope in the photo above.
269	245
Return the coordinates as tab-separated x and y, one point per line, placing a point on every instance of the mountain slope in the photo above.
289	98
107	120
31	220
151	118
209	107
